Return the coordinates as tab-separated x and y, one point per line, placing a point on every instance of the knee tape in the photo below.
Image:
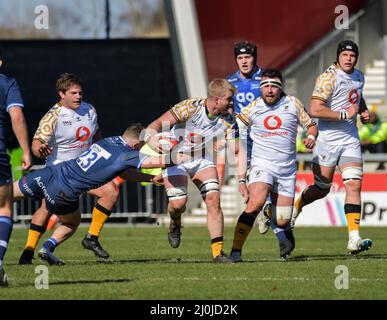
176	193
208	186
282	213
352	173
321	184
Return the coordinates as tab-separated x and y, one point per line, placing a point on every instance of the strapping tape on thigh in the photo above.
176	193
208	186
352	173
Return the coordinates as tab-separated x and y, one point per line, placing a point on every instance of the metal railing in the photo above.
149	200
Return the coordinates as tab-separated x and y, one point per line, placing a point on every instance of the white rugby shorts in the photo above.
332	155
188	168
283	184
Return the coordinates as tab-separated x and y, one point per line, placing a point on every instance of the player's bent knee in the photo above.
177	206
212	198
353	187
352	174
282	223
111	191
254	205
71	219
208	187
322	185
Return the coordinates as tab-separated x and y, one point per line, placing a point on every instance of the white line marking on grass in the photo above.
257	279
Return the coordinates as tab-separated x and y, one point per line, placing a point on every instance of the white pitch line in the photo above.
257	279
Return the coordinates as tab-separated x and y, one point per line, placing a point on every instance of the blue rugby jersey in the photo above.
248	89
9	96
96	166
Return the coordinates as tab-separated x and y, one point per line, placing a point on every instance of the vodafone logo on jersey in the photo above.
272	122
353	96
83	134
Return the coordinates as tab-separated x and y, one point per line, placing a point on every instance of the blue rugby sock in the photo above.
50	244
279	232
282	234
6	225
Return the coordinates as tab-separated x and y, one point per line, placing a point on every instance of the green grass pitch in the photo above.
143	266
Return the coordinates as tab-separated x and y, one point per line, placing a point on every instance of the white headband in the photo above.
273	82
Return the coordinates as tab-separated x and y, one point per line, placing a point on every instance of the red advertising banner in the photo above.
372	182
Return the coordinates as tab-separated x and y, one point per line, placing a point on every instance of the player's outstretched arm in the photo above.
135	175
165	160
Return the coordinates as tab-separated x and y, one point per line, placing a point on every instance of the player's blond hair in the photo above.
219	87
134	131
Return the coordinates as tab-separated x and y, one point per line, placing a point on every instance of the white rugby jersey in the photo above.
339	90
273	129
196	131
69	132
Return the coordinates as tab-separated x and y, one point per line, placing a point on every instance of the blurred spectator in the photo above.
373	136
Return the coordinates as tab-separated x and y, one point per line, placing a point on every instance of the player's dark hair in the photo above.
272	73
1	54
66	81
245	47
134	130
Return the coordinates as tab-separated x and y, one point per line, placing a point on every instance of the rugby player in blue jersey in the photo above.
61	185
11	102
247	81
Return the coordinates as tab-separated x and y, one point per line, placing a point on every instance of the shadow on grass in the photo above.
298	258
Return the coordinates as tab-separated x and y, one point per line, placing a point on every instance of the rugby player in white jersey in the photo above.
336	101
66	131
273	120
198	123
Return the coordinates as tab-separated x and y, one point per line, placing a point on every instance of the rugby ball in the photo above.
166	141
